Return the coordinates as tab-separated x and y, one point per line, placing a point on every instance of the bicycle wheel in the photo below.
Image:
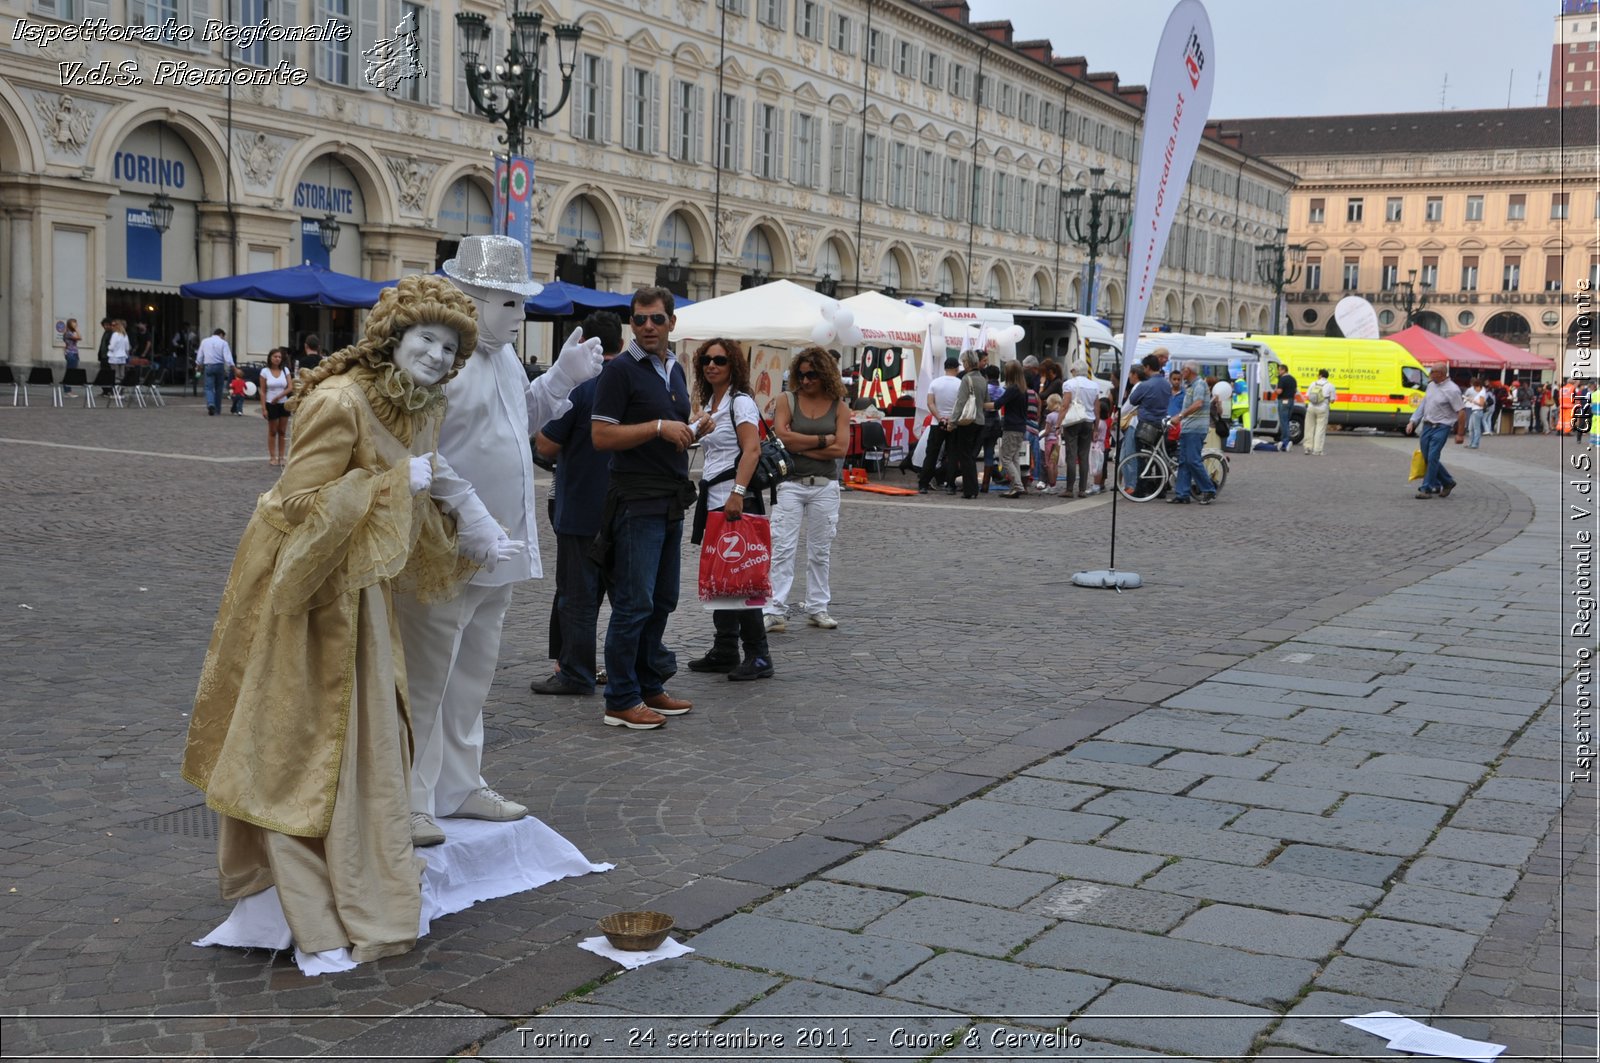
1146	474
1217	468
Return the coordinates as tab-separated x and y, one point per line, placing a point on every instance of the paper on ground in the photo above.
1385	1024
1430	1042
665	951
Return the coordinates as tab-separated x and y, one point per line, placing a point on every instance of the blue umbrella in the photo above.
310	284
560	299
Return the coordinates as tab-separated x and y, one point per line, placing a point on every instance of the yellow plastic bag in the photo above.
1419	465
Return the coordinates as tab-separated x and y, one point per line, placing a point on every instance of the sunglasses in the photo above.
809	374
712	359
654	319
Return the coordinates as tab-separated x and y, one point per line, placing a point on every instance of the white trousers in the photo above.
814	507
1316	428
451	652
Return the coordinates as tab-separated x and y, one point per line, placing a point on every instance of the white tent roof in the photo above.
885	320
780	312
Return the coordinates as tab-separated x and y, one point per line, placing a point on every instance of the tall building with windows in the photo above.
1574	79
848	144
1497	212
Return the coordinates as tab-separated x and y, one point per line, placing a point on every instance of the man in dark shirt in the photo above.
1288	387
641	415
582	474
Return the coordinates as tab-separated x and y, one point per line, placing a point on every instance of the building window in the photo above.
767	161
980	195
686	132
844	35
1391	273
333	55
1319	211
1354	208
640	130
905	58
808	19
1430	271
871	169
932	67
1047	116
1434	211
927	183
1558	206
157	13
877	47
1511	277
957	176
843	159
1392	208
1517	209
770	13
1552	273
1594	272
899	174
1313	273
255	12
805	155
1469	273
591	117
730	129
958	81
1026	108
1352	274
733	7
1474	208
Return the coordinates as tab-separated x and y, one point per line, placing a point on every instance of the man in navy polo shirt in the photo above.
641	415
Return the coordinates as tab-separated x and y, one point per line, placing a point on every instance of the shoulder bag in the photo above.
966	408
1075	413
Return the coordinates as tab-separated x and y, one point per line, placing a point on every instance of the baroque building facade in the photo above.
873	144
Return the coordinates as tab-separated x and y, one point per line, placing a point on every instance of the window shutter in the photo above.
681	93
777	143
576	102
605	101
366	36
388	18
284	51
630	98
102	9
199	12
434	17
653	115
738	134
319	50
797	158
698	117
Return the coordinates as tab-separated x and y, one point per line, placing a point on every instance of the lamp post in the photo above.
328	225
1413	297
161	206
1279	265
827	285
1102	224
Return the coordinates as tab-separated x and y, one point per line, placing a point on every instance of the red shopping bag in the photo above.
736	557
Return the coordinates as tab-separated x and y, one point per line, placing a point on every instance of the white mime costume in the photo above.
484	477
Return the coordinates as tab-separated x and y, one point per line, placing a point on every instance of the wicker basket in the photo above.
636	931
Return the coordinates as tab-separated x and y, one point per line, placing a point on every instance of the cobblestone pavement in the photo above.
1276	741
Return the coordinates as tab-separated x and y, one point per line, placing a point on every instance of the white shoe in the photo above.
484	803
774	622
424	831
822	619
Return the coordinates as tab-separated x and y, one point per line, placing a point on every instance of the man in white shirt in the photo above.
941	406
215	359
1320	397
484	476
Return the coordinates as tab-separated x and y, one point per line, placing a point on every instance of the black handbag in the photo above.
775	464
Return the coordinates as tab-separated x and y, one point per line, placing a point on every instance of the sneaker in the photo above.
484	803
754	668
821	619
424	831
1445	491
1425	495
1206	500
774	622
639	718
558	684
714	662
1175	500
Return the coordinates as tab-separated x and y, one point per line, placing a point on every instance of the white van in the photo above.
1065	337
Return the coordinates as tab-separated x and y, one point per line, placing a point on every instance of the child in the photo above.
236	389
1050	442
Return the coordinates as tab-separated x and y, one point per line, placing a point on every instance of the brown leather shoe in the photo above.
638	718
667	705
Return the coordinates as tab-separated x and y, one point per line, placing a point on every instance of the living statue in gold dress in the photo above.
301	734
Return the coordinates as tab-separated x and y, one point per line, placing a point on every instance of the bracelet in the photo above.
658	428
822	442
739	489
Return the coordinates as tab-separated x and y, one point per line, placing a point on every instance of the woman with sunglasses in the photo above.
731	445
813	422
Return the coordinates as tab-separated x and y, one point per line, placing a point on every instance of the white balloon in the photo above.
844	318
917	320
1012	334
851	337
821	333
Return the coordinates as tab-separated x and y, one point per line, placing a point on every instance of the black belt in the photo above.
809	481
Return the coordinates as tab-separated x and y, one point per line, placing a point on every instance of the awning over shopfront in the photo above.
308	284
1514	357
1430	348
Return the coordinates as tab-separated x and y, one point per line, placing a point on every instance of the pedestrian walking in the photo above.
941	432
1442	409
70	337
1193	482
1320	397
215	360
1288	388
1476	400
273	388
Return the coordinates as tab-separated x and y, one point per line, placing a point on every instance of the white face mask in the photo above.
500	314
427	351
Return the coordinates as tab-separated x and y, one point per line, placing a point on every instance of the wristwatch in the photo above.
739	490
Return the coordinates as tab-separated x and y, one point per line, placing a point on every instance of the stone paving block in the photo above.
1342	865
1178	735
1293	730
1214	764
790	861
854	961
831	904
440	1034
1288	752
525	986
1177	1021
1505	817
1481	847
1336	635
1212	698
1542	793
1389	810
1118	906
1043	793
1459	876
1430	767
1269	681
1118	776
944	878
1416	709
1088	862
1254	930
1381	784
1452	732
1314	1024
875	820
1003	818
1124	955
705	900
1161	808
1264	888
1268	794
935	837
997	762
1223	846
941	923
664	988
1119	752
1378	742
1423	987
1330	721
997	989
872	1020
1388	838
940	788
1411	944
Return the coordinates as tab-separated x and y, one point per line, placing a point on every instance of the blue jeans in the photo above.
577	607
1474	428
1285	420
1434	437
1192	475
644	592
216	375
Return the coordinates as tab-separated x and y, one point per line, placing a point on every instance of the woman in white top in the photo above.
1477	400
732	445
274	387
117	350
1080	397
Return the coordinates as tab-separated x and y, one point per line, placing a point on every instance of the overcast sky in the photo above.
1306	57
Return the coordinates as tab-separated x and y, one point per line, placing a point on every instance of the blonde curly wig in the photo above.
414	300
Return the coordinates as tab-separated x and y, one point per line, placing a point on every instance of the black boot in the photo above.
722	657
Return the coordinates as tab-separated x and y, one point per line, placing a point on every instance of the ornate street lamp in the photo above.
1279	265
828	285
674	273
328	225
1413	297
161	206
508	92
1104	223
579	253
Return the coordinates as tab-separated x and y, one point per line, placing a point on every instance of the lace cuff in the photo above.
358	533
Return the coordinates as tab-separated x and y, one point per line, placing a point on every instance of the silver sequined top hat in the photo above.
498	262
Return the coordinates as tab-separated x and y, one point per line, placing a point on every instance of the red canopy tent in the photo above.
1430	348
1515	357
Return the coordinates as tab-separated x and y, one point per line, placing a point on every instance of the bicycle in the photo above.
1152	473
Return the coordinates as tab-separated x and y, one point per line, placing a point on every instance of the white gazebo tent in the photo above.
780	313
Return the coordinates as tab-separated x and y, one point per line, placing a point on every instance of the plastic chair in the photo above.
40	376
148	381
75	378
874	445
8	377
105	380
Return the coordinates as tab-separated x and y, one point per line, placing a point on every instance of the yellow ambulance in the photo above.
1379	382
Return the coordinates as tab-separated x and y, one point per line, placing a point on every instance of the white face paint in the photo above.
427	351
500	314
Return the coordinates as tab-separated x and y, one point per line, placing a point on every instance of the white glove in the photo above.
477	541
579	360
504	550
421	473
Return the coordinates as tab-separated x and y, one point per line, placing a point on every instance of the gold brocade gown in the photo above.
300	736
